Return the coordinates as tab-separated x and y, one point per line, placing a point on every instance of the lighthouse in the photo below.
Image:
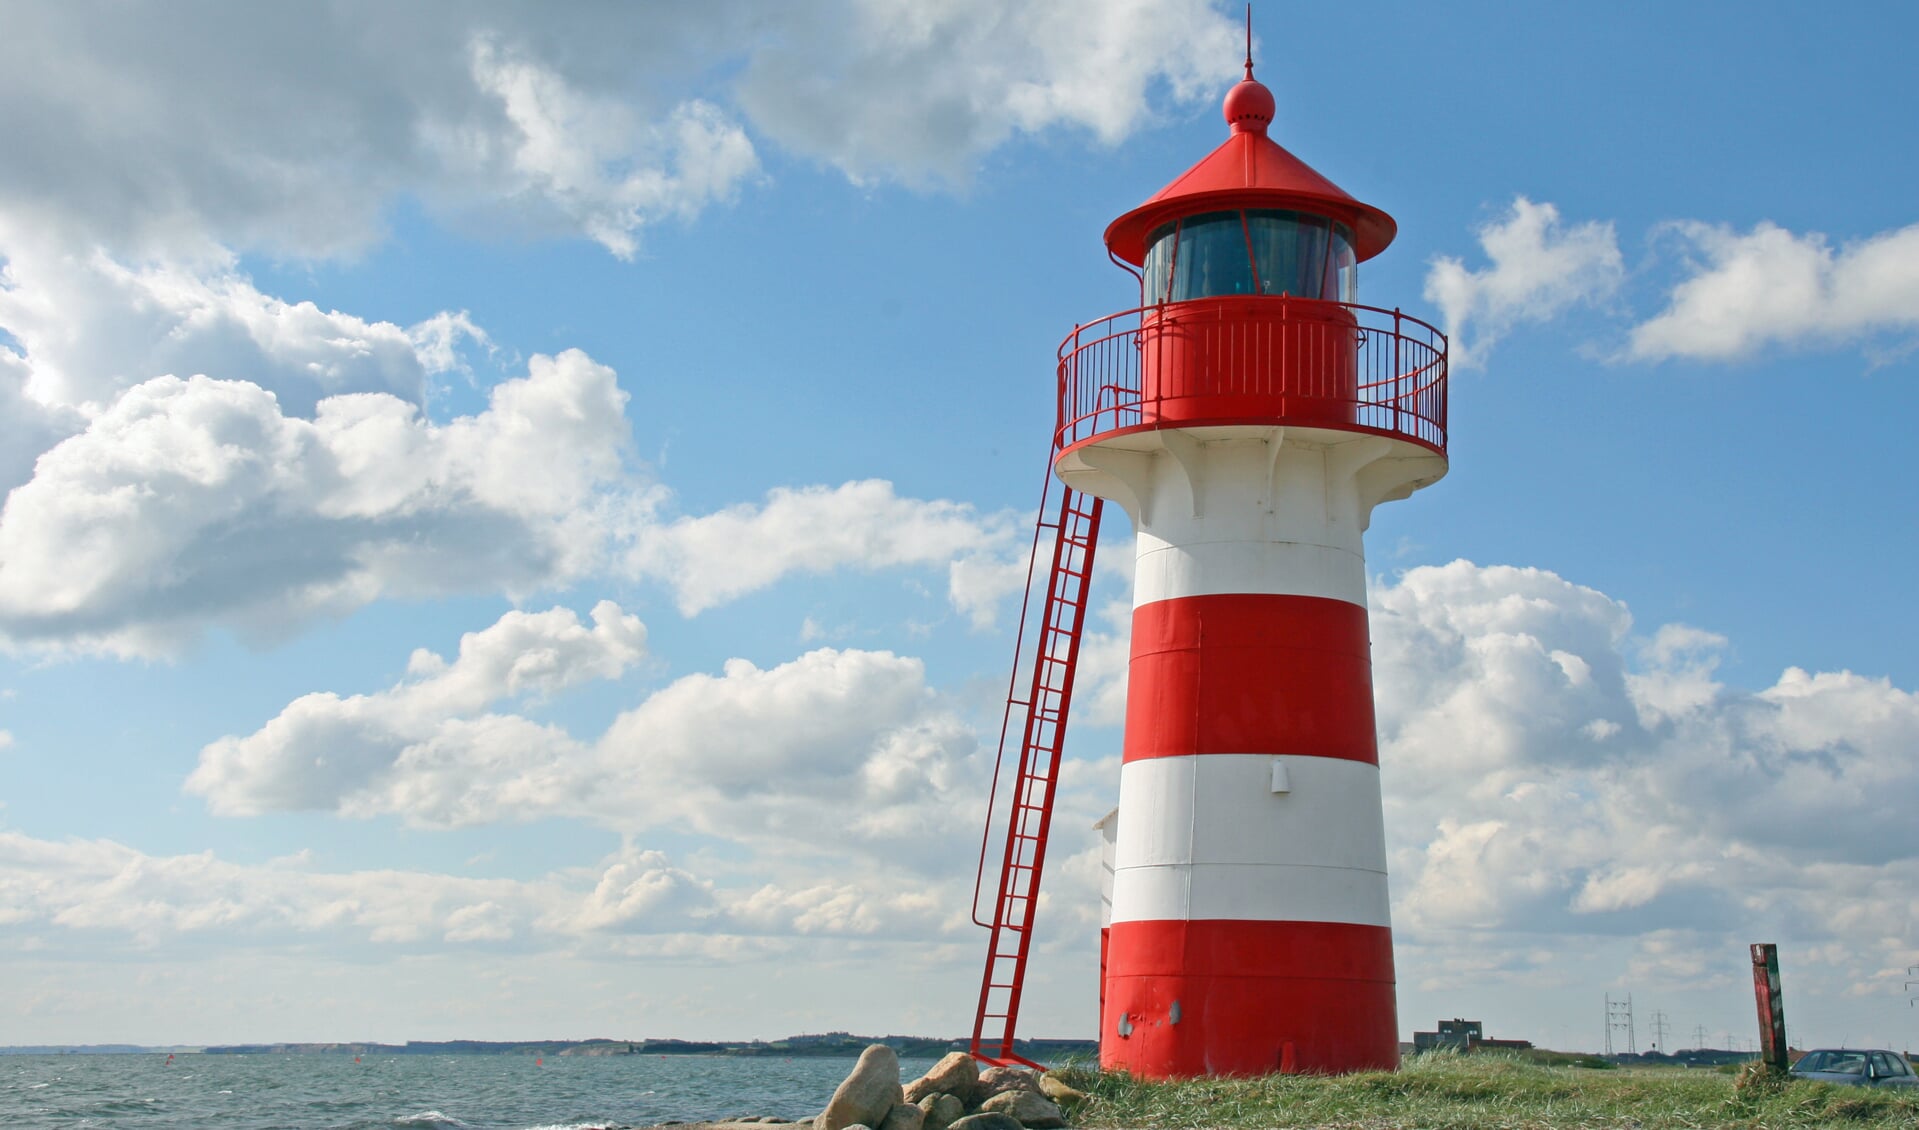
1249	415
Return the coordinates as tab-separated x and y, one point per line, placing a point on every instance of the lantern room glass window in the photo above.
1256	251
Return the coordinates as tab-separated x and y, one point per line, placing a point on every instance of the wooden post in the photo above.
1772	1012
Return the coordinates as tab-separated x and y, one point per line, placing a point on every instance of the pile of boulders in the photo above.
954	1095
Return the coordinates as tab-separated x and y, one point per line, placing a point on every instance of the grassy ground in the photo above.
1487	1091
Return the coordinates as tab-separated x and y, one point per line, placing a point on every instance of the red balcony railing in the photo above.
1245	360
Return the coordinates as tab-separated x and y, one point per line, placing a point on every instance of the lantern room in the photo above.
1261	218
1270	251
1249	309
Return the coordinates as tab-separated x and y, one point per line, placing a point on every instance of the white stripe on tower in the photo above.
1166	570
1207	837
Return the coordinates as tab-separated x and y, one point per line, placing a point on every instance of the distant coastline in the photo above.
830	1044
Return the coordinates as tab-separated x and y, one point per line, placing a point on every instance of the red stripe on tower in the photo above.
1241	672
1167	981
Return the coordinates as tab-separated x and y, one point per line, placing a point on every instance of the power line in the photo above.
1619	1019
1699	1037
1659	1028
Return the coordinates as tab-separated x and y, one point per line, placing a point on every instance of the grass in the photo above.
1486	1091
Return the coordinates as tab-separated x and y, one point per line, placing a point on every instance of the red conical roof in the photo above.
1250	170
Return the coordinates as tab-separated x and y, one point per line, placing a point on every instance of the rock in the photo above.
997	1080
1032	1110
1060	1091
942	1110
989	1120
868	1093
956	1074
903	1116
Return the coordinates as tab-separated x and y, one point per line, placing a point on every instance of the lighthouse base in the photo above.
1248	1015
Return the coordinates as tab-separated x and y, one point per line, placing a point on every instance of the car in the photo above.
1856	1067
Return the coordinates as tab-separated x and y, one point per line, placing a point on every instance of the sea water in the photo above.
427	1092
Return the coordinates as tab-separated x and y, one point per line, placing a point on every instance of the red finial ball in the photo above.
1249	105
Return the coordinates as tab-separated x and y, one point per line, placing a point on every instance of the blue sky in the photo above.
742	319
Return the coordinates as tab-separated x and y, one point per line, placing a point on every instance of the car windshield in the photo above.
1838	1063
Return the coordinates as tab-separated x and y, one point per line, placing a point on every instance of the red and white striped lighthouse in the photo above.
1249	416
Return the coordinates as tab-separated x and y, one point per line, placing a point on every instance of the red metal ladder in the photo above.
1054	659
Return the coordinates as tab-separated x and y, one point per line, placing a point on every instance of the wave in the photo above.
430	1120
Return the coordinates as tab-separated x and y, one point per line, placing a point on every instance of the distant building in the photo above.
1463	1035
1457	1034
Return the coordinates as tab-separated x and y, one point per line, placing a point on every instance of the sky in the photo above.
515	514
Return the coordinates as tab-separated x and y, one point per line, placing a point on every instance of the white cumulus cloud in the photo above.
301	444
857	734
1750	290
886	88
581	153
294	129
88	326
197	502
94	895
1549	772
713	558
752	755
1539	268
324	748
